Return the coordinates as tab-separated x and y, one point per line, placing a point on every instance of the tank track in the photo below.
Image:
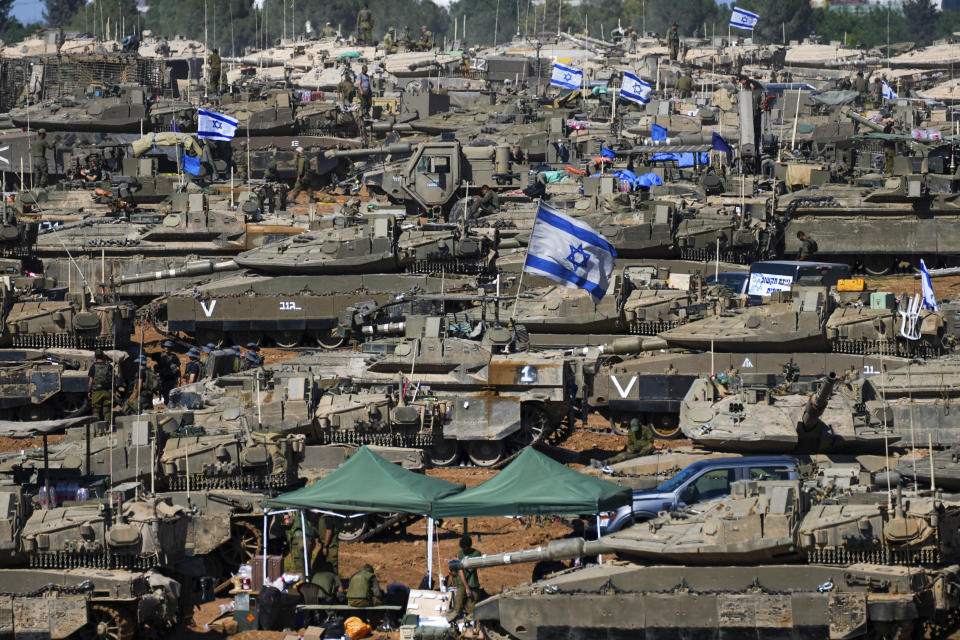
819	202
66	340
886	347
651	327
466	267
409	441
98	560
707	254
201	482
875	556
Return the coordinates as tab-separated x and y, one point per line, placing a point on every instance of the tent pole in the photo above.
430	552
306	554
466	529
599	555
265	514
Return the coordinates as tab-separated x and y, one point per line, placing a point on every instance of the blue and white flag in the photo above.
215	126
191	165
635	89
743	19
929	299
566	77
569	252
888	93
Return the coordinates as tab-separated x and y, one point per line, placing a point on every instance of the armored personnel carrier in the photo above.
765	561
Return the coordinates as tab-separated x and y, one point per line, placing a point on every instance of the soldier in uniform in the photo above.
346	88
365	24
406	38
426	39
363	589
38	149
467	581
100	387
240	161
639	442
808	247
390	40
254	348
685	85
168	368
237	358
889	148
293	561
147	388
206	365
673	41
486	204
303	175
329	31
193	371
366	91
213	62
327	552
270	174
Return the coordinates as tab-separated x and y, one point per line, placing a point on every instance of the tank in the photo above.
67	324
874	229
105	605
765	560
139	534
40	384
117	109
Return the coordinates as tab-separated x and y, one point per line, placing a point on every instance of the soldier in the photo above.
366	92
406	39
163	49
808	246
889	148
390	40
147	388
331	587
168	368
329	31
100	387
363	589
426	39
365	24
237	358
213	63
270	174
346	88
685	85
293	560
253	347
486	204
193	371
327	553
206	365
38	149
639	442
240	161
303	175
467	580
860	85
673	41
878	88
251	360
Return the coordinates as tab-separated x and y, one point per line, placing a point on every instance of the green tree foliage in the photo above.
690	16
921	18
58	13
107	18
795	17
7	21
487	19
231	25
861	28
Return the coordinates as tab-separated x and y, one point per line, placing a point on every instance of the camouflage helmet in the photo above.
98	354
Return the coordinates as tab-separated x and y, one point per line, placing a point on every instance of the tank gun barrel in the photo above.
383	150
634	344
202	268
383	127
259	61
565	549
856	117
818	402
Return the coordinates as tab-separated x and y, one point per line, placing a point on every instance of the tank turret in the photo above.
818	403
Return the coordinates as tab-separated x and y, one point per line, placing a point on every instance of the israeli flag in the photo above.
635	89
569	252
566	77
888	93
929	299
215	126
743	19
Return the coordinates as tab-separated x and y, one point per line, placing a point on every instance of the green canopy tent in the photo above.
367	483
532	485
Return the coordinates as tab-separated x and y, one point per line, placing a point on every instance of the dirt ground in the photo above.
944	287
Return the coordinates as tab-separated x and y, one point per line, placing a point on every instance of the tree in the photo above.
7	21
58	13
689	15
107	19
921	16
794	17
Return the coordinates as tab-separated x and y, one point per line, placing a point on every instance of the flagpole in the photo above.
516	299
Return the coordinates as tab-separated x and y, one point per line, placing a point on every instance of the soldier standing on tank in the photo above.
808	247
303	175
100	383
206	365
860	85
213	64
639	442
365	24
147	388
193	371
346	88
467	581
168	368
426	39
685	85
673	41
38	149
329	31
390	40
366	91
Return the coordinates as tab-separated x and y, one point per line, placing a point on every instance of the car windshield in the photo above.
673	483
